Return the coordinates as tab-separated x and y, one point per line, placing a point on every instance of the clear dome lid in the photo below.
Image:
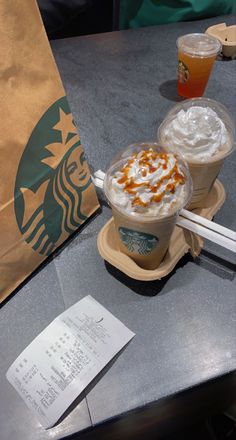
195	127
201	45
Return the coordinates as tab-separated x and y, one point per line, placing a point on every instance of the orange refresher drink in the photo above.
193	74
196	56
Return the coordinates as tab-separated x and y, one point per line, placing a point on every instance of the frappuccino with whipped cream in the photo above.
202	131
146	189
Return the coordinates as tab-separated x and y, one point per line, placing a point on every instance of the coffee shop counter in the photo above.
182	360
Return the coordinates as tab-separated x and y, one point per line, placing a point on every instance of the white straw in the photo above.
98	182
209	224
99	174
207	233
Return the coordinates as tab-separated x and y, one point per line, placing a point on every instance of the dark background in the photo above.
69	18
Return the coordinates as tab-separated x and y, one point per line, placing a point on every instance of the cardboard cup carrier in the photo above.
181	242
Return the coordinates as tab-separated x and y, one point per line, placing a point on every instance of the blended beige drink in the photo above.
146	190
202	131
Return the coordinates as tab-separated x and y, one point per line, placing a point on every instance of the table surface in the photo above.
120	86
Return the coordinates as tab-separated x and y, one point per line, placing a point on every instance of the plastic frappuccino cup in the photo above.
140	232
196	56
202	130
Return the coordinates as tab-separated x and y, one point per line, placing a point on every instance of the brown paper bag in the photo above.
46	191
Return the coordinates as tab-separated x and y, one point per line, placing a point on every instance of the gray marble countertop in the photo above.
120	86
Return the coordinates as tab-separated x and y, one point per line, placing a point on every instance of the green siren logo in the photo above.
52	178
138	242
183	72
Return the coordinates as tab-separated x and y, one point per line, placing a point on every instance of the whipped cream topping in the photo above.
197	133
149	183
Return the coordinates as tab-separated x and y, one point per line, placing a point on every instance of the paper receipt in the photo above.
64	358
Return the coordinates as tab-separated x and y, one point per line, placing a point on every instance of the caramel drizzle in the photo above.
145	161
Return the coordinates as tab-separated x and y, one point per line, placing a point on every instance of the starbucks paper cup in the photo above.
144	236
204	137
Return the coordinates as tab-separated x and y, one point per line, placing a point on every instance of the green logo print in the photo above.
51	179
183	72
138	242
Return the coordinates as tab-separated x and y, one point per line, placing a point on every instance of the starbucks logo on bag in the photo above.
52	178
138	242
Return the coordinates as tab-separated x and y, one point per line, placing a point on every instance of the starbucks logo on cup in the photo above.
138	242
183	72
51	179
